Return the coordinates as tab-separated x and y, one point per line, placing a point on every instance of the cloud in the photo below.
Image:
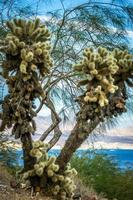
119	137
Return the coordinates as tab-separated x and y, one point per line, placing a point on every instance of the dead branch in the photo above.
56	120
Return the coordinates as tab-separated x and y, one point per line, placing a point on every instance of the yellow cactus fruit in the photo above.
54	167
36	166
46	145
29	57
39	171
90	99
36	23
98	89
21	44
105	81
50	173
57	187
35	33
86	98
12	46
70	189
61	178
55	193
54	179
26	78
91	65
68	166
30	27
35	144
23	67
18	31
45	53
100	50
33	152
99	77
43	164
94	72
51	160
41	143
23	54
106	101
67	180
10	25
113	68
38	155
74	172
112	88
102	101
38	51
16	40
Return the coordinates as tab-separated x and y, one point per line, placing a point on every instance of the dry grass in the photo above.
8	193
87	191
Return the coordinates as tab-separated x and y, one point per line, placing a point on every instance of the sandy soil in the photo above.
8	193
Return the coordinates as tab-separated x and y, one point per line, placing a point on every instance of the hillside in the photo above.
13	193
9	190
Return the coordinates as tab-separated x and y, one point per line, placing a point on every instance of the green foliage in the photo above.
103	174
8	157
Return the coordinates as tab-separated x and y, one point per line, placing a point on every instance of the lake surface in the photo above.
124	157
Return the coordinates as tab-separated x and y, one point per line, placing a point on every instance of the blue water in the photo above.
124	158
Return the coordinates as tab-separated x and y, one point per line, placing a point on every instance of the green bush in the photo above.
103	174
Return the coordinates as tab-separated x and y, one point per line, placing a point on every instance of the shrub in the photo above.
103	174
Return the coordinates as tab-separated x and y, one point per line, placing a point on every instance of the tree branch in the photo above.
56	120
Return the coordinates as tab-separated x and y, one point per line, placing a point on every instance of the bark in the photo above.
27	146
29	161
78	135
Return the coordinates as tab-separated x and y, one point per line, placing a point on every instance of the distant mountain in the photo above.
119	137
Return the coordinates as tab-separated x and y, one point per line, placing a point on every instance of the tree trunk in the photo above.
29	161
27	146
78	135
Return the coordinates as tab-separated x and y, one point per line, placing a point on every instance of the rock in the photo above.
89	198
77	196
14	183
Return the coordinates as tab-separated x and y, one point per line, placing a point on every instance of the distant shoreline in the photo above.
18	146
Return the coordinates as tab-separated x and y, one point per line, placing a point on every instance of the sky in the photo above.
48	5
45	6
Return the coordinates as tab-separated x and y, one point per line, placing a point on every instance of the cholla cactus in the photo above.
62	185
101	70
27	51
27	61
